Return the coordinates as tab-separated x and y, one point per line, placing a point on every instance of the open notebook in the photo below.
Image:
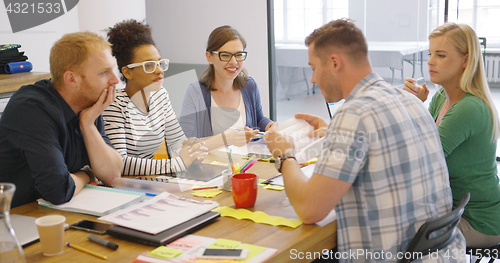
97	200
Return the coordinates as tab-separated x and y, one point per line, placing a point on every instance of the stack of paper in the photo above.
97	200
305	147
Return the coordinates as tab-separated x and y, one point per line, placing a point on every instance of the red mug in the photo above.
244	189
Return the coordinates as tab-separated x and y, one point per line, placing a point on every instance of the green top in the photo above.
465	132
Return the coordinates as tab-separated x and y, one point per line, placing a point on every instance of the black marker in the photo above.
103	242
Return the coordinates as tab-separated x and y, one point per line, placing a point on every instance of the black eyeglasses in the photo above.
227	56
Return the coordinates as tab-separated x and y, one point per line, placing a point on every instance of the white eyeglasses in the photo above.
150	66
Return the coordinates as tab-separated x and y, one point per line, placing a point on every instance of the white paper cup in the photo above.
226	178
51	231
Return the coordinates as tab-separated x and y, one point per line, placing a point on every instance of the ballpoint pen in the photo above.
205	188
254	138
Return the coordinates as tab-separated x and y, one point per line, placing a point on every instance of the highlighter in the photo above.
103	242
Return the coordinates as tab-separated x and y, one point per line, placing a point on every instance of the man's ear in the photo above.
336	61
71	79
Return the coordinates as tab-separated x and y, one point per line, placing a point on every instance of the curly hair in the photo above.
125	37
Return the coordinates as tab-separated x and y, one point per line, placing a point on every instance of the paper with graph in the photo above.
159	213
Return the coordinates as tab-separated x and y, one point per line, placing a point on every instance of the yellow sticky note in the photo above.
165	252
258	217
222	243
252	250
274	187
207	193
260	182
218	163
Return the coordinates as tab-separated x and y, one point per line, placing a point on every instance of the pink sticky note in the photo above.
184	243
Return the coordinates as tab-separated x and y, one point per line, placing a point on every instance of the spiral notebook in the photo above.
97	200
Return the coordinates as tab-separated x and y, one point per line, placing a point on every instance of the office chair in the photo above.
424	243
482	41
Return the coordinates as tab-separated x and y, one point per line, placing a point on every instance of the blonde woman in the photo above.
468	125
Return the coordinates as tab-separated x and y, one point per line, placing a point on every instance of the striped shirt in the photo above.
384	142
137	135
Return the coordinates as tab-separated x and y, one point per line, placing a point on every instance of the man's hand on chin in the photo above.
90	114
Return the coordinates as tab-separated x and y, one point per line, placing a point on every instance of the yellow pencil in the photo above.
86	251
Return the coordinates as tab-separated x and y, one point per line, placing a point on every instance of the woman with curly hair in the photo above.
141	117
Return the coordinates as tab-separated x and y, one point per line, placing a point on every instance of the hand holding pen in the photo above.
240	137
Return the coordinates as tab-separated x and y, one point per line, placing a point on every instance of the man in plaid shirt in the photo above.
382	166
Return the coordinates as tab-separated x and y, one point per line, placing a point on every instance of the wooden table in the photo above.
12	82
305	238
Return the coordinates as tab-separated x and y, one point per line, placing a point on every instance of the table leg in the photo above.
422	64
305	79
392	79
413	65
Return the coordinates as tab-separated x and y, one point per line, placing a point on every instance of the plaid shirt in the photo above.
384	142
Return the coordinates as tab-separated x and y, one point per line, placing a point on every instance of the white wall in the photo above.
98	15
88	15
37	41
392	20
395	20
181	29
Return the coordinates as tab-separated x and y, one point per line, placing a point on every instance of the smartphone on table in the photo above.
91	226
223	253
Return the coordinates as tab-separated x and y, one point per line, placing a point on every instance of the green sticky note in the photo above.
165	252
222	243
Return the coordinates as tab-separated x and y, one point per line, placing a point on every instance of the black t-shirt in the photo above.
41	144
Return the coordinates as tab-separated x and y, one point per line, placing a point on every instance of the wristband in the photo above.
89	172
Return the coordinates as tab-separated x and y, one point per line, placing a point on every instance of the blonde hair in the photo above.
473	80
71	52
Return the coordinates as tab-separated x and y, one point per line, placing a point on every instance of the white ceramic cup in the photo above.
51	231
